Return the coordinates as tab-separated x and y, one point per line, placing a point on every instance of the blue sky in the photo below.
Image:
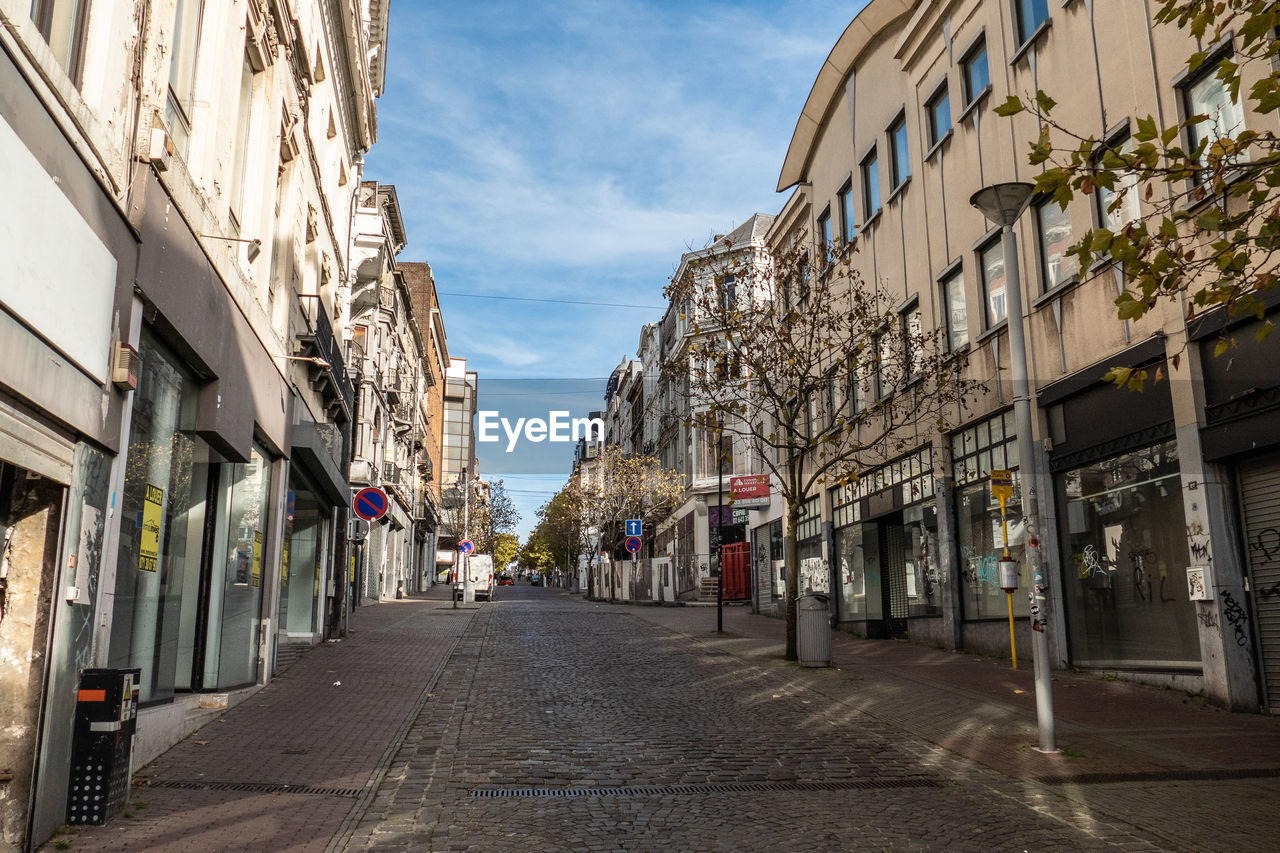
573	151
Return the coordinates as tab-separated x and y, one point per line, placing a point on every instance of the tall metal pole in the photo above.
468	587
1030	491
719	556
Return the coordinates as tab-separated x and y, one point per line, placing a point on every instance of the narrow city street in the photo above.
545	722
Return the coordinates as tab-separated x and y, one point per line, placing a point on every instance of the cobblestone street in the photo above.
562	725
545	722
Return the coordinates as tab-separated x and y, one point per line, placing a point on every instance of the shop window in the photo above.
236	596
956	316
977	450
995	306
162	519
1125	544
1053	230
302	561
813	571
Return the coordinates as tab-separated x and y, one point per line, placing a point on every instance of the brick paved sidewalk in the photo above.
1174	760
326	726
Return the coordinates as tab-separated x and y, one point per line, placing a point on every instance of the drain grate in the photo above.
722	788
1217	775
256	788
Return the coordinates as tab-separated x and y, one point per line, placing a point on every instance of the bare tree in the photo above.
808	369
614	488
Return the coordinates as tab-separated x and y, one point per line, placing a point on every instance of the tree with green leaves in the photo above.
808	368
1210	184
505	548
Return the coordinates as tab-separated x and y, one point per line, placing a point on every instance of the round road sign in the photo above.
633	544
466	546
370	504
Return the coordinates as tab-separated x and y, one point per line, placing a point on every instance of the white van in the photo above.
480	567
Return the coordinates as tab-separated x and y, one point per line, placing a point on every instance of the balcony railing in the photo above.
330	380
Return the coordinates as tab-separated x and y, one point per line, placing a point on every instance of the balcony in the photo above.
327	374
402	417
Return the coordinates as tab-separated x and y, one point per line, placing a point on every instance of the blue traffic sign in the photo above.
635	527
370	504
466	546
633	544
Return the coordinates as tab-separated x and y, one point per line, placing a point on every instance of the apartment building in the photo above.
458	464
174	450
430	445
896	136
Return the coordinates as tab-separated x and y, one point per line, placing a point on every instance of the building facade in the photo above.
896	135
173	452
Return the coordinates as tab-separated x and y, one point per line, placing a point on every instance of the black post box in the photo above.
102	745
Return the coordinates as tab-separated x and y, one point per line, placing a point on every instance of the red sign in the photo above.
749	491
370	504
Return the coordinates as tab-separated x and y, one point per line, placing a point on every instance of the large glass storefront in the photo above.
814	577
188	590
1125	559
887	566
306	544
978	450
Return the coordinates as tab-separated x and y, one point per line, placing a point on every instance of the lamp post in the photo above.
1003	204
719	555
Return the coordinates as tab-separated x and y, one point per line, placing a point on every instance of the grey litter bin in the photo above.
813	630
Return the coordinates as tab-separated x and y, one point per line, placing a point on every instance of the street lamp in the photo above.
1003	204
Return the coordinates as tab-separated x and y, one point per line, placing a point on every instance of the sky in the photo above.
572	151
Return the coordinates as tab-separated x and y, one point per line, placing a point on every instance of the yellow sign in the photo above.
284	562
353	568
1002	485
152	516
257	559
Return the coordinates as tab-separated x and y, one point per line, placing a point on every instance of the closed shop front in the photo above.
886	549
192	554
1260	503
1122	525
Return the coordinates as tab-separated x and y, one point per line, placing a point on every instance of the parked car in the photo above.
506	580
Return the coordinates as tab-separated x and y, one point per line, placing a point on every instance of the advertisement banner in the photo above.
750	491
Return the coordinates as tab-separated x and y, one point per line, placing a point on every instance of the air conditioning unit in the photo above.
126	364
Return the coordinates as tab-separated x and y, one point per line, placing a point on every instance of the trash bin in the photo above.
813	630
102	744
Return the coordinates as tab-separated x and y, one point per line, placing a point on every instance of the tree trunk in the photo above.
791	548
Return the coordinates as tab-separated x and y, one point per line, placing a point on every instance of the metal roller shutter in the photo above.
1260	499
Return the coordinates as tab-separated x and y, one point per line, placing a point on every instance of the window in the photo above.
871	184
1127	211
900	160
1053	229
1031	14
939	109
240	153
182	67
728	293
848	220
62	23
976	76
957	319
824	234
993	292
1205	95
912	341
